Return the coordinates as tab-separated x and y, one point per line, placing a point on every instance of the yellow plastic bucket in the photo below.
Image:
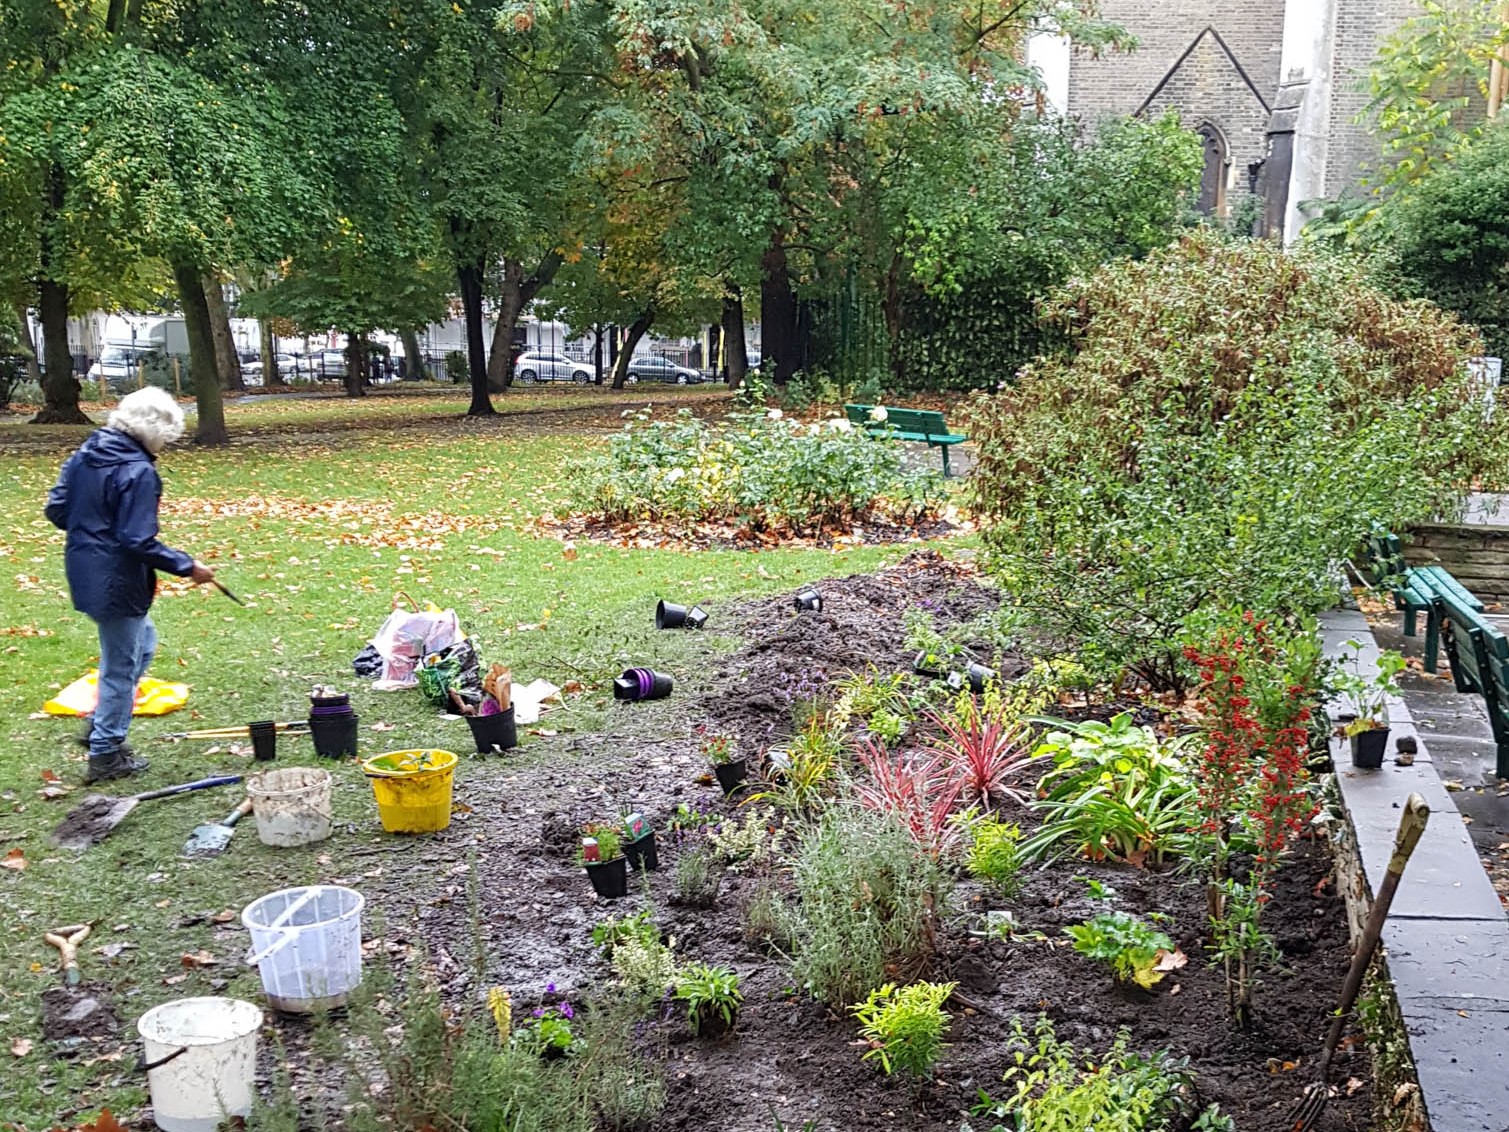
413	789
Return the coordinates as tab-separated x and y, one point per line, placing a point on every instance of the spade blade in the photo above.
213	838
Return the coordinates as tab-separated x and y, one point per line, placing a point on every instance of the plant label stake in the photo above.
1411	827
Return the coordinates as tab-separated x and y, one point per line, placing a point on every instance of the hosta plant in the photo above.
711	995
904	1026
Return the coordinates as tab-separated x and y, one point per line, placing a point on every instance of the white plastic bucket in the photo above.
201	1055
291	805
307	945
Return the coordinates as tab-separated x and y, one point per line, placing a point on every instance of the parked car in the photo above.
329	364
288	367
547	365
663	370
117	364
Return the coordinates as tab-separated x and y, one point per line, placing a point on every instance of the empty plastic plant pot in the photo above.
979	676
610	879
496	732
809	601
668	616
696	617
334	736
642	854
730	775
642	684
264	737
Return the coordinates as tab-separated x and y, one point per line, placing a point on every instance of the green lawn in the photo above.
316	530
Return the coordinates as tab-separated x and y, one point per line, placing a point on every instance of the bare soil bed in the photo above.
788	1055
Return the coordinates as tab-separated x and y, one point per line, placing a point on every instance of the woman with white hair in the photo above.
106	499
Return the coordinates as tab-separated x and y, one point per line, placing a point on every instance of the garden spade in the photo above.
91	821
212	838
1411	827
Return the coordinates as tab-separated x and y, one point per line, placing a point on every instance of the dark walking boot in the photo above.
86	733
119	763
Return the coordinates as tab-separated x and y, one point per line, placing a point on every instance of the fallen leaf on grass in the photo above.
111	950
104	1123
224	916
174	980
39	716
1404	1092
50	776
199	958
15	859
21	1047
53	793
385	727
573	688
544	732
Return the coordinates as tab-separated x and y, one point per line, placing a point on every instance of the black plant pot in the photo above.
642	684
264	737
979	676
1368	748
642	854
495	732
668	616
334	738
921	667
730	775
809	601
610	879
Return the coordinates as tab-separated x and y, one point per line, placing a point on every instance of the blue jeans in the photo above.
126	648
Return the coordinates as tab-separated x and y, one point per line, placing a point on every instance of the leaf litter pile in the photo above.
511	889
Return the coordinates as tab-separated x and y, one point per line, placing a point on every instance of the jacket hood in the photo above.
109	446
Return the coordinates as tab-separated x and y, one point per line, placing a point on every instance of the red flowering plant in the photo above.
1259	686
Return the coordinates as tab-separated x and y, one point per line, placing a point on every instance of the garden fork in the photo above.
1411	827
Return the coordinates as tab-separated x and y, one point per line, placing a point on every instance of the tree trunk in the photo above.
469	276
226	359
28	345
60	389
413	359
271	377
714	359
356	364
626	352
597	355
778	312
518	292
203	371
735	349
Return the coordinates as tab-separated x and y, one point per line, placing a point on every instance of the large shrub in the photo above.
1230	421
762	469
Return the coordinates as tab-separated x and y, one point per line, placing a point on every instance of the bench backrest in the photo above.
902	420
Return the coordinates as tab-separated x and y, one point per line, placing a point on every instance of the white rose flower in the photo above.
774	414
674	474
878	413
840	424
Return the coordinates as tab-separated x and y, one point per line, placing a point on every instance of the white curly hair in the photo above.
149	415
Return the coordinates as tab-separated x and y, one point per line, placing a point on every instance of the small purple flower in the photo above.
549	988
566	1011
539	1012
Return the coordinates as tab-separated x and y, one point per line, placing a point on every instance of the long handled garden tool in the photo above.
1411	827
92	820
212	838
243	731
227	593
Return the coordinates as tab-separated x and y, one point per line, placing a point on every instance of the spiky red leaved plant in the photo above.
921	791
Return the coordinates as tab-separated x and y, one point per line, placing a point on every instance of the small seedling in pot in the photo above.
712	998
904	1026
719	750
601	854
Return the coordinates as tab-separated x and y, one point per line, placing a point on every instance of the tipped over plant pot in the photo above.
928	664
808	600
638	684
668	616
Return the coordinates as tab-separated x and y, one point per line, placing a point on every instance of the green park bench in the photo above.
908	424
1416	590
1479	655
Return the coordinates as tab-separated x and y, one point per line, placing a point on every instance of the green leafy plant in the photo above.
644	966
1056	1088
995	854
1367	696
614	931
716	749
1113	790
1133	949
904	1026
712	997
548	1032
747	842
1229	422
696	878
609	844
867	905
804	772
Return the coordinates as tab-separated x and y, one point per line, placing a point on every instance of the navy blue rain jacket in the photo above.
106	499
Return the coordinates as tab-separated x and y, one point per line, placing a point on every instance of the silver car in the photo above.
547	365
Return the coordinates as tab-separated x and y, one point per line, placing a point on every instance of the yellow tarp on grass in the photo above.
153	697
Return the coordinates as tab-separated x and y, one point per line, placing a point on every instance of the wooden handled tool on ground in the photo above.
212	838
1411	827
227	593
294	727
67	941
